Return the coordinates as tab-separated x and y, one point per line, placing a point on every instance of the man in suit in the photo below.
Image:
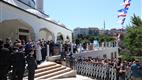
18	62
32	65
4	61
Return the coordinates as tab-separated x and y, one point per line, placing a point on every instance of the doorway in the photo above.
23	37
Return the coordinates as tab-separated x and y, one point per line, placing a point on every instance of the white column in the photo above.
102	44
116	44
48	50
71	47
87	47
109	44
61	47
80	48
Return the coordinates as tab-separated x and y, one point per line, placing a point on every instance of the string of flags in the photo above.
123	12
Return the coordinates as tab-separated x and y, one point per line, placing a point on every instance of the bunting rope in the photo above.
123	12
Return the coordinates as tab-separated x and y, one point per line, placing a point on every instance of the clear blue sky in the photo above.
89	13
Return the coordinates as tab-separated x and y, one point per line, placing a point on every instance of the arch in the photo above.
16	29
60	38
46	34
68	39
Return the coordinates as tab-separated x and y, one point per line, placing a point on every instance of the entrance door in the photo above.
23	37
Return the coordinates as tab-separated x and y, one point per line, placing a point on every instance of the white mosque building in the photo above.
25	19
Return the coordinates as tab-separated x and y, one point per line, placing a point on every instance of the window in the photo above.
30	3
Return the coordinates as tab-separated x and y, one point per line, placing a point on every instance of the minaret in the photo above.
39	5
104	25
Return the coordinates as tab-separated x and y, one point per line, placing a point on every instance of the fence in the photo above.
98	71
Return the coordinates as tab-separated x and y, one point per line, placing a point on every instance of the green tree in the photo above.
91	38
133	38
105	38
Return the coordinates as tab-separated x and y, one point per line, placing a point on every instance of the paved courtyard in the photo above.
78	77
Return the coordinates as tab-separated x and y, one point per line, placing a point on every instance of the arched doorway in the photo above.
46	34
67	39
60	38
16	29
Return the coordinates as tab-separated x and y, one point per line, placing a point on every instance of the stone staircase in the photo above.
52	70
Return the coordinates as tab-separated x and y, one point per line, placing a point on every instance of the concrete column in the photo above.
48	50
116	44
71	47
87	47
102	44
109	44
80	48
61	47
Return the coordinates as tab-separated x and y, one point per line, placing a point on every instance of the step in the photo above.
49	71
69	74
43	65
53	74
47	68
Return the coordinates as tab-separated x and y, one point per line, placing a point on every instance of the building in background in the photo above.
85	31
95	32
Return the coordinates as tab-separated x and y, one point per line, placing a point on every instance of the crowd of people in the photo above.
125	70
18	55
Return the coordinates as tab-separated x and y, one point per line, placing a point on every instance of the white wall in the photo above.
99	53
9	12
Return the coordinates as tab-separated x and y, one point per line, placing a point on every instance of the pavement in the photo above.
78	77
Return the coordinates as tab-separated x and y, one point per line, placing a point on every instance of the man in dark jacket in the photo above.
4	61
18	62
32	65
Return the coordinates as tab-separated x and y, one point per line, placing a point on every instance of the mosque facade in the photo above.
25	19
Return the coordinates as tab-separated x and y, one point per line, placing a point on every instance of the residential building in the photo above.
85	31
